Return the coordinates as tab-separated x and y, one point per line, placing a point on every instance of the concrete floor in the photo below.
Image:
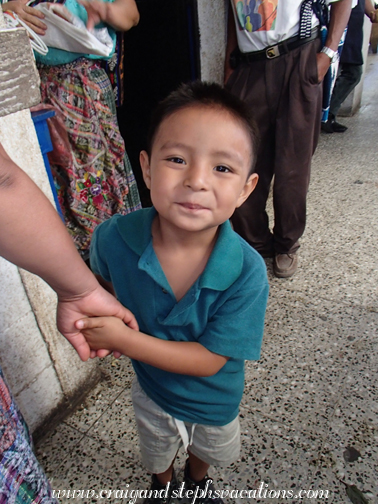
309	415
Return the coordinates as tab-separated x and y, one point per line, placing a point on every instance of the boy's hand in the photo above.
103	332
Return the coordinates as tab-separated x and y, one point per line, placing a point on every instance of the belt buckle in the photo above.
272	52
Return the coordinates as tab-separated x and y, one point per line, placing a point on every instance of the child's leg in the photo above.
197	467
159	439
166	476
197	481
210	445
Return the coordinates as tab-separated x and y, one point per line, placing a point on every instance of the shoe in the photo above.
285	265
338	128
204	489
161	494
331	126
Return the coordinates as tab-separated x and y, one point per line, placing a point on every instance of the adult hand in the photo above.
97	11
323	62
120	14
97	302
32	17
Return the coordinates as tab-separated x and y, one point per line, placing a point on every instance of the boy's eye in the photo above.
222	168
177	160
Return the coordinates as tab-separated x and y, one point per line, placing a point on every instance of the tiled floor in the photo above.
313	395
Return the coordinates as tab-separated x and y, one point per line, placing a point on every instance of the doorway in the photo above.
160	53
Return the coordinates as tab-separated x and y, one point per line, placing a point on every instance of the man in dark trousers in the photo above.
278	69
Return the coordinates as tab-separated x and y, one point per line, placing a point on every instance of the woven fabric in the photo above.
22	480
91	169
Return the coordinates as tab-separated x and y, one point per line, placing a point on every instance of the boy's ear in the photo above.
145	165
247	189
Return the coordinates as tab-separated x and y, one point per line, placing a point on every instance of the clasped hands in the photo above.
104	334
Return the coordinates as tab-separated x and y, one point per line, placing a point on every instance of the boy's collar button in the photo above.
164	290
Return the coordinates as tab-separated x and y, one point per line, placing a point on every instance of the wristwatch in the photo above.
332	55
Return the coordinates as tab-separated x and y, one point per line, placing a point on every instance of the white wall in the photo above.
212	27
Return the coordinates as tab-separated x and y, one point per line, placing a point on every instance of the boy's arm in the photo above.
182	357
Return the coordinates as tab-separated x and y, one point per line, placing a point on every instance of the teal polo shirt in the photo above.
223	310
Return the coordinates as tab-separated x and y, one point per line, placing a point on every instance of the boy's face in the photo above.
198	171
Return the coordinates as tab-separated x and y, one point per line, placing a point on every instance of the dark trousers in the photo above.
287	101
347	80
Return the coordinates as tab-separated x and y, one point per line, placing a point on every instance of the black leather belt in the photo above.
271	52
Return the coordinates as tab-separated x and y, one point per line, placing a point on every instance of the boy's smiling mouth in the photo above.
192	206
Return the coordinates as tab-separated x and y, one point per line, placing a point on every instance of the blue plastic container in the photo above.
45	144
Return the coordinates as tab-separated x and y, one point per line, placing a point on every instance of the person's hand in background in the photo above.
32	17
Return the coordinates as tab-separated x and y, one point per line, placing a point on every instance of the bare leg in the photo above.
197	468
166	476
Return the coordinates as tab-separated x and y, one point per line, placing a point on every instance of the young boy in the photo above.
196	288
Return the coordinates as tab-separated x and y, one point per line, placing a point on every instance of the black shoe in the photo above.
161	494
338	128
331	126
204	489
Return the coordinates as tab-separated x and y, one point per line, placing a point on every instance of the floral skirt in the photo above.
91	170
22	479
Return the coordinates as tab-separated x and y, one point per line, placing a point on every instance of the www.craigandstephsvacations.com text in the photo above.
192	496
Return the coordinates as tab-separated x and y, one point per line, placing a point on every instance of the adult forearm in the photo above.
27	219
370	10
339	17
123	15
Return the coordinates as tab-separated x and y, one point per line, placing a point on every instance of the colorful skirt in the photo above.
91	170
22	479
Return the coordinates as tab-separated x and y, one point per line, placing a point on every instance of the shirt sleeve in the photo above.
236	329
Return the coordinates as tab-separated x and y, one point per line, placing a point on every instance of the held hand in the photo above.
95	303
32	17
103	332
323	62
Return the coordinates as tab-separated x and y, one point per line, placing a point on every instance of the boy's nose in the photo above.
196	178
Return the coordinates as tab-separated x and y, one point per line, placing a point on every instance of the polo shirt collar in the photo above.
226	261
136	229
224	265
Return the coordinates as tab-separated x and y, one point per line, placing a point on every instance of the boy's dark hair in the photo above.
205	94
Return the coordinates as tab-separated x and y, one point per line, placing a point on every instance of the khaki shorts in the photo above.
161	436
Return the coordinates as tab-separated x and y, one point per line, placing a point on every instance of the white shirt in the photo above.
264	23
